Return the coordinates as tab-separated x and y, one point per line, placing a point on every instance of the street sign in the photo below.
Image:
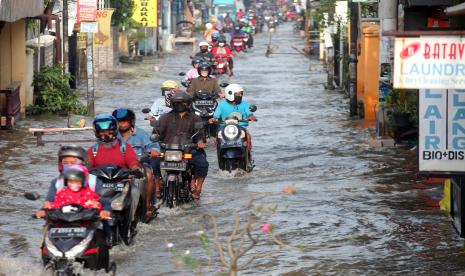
145	12
89	27
441	131
86	10
430	62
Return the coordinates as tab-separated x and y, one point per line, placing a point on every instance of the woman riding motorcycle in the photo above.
163	105
221	50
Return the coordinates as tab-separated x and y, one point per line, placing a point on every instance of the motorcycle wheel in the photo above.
128	229
170	187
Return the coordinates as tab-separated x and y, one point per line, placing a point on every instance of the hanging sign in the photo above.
86	10
145	12
102	38
441	131
430	62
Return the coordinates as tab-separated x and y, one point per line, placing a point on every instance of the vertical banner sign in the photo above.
102	38
86	10
146	12
430	62
442	131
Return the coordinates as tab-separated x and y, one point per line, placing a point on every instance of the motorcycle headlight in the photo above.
51	248
80	247
231	131
173	155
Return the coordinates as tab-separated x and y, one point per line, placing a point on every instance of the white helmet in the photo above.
208	26
230	90
203	43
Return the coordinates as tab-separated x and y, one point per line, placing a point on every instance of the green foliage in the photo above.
122	16
54	95
326	6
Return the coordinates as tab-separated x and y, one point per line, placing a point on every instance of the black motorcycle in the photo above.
176	174
123	190
73	234
204	106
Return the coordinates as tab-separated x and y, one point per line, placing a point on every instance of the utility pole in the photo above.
90	75
65	36
307	26
354	20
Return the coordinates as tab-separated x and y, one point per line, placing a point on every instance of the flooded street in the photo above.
357	210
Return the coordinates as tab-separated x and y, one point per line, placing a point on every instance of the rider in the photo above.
193	72
204	82
109	150
215	37
163	105
233	105
223	50
140	142
248	29
204	53
179	127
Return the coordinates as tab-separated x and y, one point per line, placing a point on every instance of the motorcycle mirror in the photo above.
184	84
31	195
182	74
146	110
198	125
155	137
253	108
224	84
155	123
163	93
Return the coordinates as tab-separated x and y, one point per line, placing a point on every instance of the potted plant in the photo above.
402	109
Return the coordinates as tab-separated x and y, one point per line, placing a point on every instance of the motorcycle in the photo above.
73	234
204	106
239	43
123	191
221	65
232	147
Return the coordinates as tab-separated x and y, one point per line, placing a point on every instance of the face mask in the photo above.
221	44
107	138
237	99
180	107
74	187
203	50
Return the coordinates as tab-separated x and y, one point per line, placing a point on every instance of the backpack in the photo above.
122	147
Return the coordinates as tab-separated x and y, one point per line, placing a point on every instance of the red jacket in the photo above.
216	51
84	197
113	155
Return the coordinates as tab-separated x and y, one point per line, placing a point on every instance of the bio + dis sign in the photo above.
441	131
430	62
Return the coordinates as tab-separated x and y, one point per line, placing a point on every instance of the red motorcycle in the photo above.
221	65
238	43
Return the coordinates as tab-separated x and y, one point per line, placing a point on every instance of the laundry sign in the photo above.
441	131
430	62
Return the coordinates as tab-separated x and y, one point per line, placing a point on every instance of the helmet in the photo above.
196	60
76	172
215	36
230	90
124	114
181	97
208	26
168	85
204	66
237	28
105	122
73	151
203	43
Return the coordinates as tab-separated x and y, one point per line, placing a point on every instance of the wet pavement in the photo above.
357	210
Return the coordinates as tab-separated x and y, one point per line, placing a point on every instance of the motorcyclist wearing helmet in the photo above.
246	28
109	150
74	155
193	72
215	37
180	126
234	105
204	53
140	142
204	82
222	50
163	105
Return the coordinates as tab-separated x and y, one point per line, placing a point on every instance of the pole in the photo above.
307	26
65	36
354	18
90	76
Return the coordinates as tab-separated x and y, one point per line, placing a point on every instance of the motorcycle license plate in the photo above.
221	65
173	166
203	103
118	187
77	232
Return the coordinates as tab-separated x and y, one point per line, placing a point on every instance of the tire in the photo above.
128	229
170	187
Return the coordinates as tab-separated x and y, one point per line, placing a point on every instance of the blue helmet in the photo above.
105	122
215	36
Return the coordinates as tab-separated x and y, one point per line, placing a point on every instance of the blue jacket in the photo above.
225	109
140	142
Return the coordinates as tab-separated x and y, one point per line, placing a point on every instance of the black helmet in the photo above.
105	122
74	174
73	151
124	114
196	60
181	97
204	66
222	38
237	28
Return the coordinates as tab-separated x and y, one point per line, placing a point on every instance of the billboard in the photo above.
429	62
146	12
441	131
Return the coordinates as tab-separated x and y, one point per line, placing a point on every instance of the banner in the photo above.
86	10
146	12
441	131
430	62
102	38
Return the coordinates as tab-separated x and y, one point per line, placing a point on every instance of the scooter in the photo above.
73	234
204	106
238	43
123	190
232	147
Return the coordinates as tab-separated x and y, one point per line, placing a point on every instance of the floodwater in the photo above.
357	210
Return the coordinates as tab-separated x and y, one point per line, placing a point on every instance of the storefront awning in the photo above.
13	10
223	2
